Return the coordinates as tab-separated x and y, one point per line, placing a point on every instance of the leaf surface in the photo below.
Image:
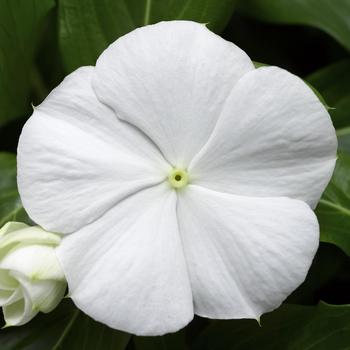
11	208
86	28
19	24
333	210
64	328
328	15
291	327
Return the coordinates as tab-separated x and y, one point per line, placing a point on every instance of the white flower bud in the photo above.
31	279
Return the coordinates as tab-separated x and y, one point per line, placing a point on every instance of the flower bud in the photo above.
31	279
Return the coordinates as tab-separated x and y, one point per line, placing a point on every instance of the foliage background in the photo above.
41	41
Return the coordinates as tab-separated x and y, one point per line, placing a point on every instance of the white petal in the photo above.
7	282
19	312
170	80
5	296
11	226
274	138
8	297
76	159
44	295
37	262
245	255
127	269
28	235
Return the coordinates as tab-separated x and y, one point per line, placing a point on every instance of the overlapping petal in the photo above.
127	268
11	226
93	158
170	80
43	295
7	282
31	278
274	138
34	261
244	255
19	312
23	235
76	159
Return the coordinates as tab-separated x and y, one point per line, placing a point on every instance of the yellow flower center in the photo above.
178	178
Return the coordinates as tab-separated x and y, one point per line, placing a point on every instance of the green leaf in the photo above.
333	83
11	208
320	97
259	64
64	328
333	211
175	341
329	263
19	20
328	15
86	28
291	327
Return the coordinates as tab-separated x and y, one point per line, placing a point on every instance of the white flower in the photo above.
183	178
31	279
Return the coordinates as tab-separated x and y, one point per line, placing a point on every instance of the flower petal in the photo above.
5	296
170	80
27	235
44	295
7	282
127	269
15	295
11	226
37	262
274	138
76	159
245	255
19	312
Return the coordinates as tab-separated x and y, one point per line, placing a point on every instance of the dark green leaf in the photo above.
19	21
65	328
259	64
175	341
10	204
87	27
333	210
328	265
328	15
333	83
320	97
291	327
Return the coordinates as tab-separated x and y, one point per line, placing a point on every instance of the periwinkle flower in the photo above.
182	177
31	278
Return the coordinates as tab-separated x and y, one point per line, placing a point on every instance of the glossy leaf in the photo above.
333	83
10	204
20	20
88	27
291	327
328	15
333	210
329	264
174	341
65	328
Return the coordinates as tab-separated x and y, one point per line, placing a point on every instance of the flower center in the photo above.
178	178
